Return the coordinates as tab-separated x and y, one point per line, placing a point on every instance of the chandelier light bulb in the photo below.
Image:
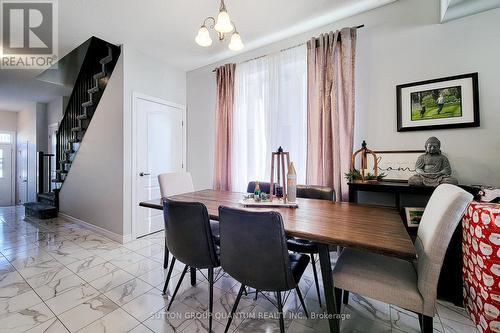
203	37
223	24
236	44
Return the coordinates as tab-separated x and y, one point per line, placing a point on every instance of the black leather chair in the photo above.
190	240
302	245
254	252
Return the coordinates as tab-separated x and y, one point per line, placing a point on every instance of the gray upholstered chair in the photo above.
175	183
412	286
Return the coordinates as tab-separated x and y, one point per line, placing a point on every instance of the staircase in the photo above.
94	73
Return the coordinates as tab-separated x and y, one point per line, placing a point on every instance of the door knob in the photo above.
142	174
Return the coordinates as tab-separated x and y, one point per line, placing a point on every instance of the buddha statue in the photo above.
432	168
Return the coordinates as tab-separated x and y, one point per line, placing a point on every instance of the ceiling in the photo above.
166	30
456	9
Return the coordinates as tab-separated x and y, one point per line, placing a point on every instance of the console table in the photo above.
396	188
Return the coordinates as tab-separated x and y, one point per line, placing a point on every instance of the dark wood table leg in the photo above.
353	194
193	276
326	273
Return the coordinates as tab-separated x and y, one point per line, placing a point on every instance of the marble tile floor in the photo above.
56	276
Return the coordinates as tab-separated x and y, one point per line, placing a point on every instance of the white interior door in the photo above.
6	175
159	147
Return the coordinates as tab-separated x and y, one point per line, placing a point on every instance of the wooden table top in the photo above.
376	229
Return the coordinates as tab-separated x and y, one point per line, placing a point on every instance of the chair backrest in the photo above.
316	192
188	233
264	187
175	183
253	249
441	217
303	191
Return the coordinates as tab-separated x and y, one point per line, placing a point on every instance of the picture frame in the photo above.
397	165
444	103
413	216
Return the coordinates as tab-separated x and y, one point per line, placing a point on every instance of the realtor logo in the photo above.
29	34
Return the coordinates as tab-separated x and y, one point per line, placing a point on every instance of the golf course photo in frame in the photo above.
450	102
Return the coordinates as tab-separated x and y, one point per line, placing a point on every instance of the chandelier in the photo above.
223	26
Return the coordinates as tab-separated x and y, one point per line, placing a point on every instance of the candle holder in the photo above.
279	157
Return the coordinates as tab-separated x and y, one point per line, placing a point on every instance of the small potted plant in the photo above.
355	176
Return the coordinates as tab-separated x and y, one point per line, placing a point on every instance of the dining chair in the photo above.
189	239
410	285
259	239
175	183
299	245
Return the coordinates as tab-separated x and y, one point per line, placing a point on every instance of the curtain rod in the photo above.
287	48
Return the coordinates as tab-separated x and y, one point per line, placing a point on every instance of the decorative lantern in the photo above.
279	156
364	152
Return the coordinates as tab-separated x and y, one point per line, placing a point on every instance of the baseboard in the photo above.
101	231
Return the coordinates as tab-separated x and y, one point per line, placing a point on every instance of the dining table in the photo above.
328	223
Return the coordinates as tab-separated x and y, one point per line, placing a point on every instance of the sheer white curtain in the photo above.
270	111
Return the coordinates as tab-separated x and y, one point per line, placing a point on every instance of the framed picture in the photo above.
398	165
413	216
450	102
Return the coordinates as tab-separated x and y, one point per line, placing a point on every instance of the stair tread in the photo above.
99	75
61	171
87	104
82	117
48	196
73	140
106	60
93	90
77	129
39	206
57	180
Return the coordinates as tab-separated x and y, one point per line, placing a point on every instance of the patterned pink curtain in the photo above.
224	127
330	109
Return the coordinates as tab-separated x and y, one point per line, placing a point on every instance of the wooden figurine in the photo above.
279	156
364	151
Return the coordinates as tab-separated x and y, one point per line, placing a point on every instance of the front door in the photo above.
6	174
22	173
159	147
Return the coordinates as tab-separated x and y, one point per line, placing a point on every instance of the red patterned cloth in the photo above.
481	269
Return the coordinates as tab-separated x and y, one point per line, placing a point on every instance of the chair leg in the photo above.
297	289
426	323
315	273
165	257
338	298
210	298
184	271
345	297
256	294
280	312
192	273
235	306
169	274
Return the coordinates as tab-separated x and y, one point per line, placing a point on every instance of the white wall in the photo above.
55	109
150	76
400	43
93	190
8	121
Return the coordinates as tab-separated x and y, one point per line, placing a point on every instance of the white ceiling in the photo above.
456	9
166	30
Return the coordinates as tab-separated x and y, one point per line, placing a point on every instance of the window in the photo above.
270	111
5	138
1	163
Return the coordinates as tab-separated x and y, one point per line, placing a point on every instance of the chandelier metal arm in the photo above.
211	26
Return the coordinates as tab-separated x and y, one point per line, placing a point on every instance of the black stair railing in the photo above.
95	72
